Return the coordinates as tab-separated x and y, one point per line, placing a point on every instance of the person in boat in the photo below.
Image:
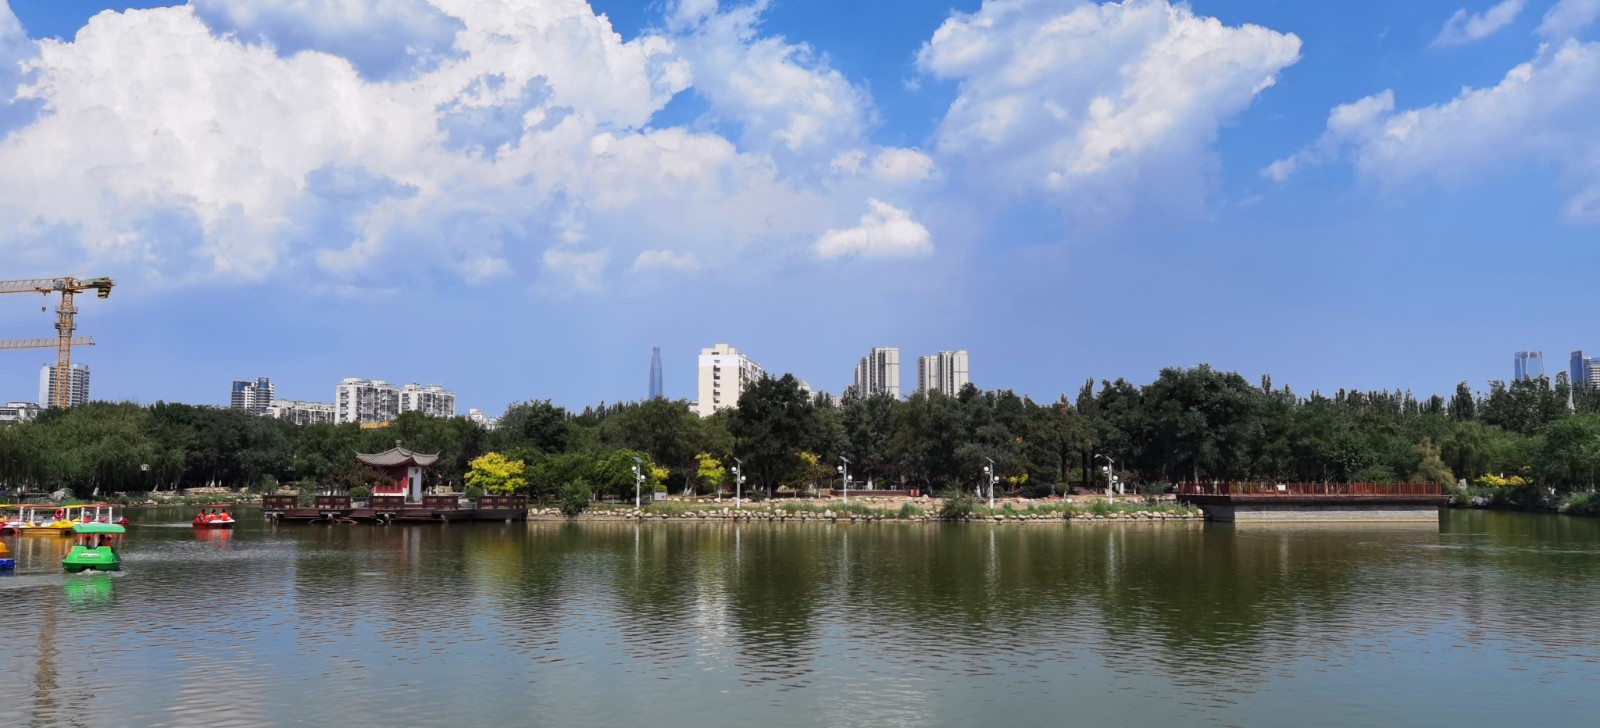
225	517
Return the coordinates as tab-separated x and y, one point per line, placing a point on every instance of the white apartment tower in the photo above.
432	400
303	413
476	416
255	396
77	389
724	374
878	373
945	372
365	401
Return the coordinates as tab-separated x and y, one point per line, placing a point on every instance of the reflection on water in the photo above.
89	591
812	624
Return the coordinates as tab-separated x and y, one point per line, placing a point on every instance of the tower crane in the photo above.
64	341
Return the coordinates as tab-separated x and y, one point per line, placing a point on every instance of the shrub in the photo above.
1375	474
307	491
474	492
957	504
360	493
574	498
908	511
1586	503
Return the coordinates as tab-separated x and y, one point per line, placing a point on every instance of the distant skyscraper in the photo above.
944	372
656	392
254	396
1579	371
77	390
1528	365
878	373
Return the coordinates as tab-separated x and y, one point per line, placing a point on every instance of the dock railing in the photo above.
1305	489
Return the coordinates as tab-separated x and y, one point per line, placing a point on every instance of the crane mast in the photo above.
66	325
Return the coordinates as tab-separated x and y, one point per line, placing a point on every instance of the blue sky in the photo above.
518	199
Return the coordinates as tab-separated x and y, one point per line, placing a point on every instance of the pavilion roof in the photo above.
397	456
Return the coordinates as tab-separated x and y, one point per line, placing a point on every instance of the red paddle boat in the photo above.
213	519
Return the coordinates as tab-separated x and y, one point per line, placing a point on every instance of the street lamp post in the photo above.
1110	466
638	480
738	483
990	475
845	471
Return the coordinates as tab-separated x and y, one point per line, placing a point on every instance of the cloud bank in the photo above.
240	141
1542	112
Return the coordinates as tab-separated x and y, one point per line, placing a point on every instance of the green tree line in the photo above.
1188	424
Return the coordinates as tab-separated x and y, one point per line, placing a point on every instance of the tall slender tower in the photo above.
656	392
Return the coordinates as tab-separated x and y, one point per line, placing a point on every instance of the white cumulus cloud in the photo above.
1093	103
667	259
1464	27
902	165
190	143
1568	17
885	231
1542	112
584	271
359	144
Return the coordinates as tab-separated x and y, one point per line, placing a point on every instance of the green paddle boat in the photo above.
94	549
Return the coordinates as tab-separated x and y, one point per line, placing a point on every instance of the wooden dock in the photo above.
1306	502
394	509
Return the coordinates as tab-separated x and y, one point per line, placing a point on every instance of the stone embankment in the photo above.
552	514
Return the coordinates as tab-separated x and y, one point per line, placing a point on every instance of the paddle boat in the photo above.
100	513
213	519
6	562
59	520
94	549
33	519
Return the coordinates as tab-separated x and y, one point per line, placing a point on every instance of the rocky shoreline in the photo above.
828	516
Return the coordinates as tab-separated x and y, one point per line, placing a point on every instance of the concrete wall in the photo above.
1308	512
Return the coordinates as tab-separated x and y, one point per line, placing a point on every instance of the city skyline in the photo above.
1274	223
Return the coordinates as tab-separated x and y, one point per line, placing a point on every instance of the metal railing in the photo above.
1303	489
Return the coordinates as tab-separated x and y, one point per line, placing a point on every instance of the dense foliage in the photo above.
1188	424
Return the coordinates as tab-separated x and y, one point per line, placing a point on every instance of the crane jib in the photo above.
65	325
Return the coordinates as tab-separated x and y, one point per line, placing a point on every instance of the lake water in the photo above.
1488	619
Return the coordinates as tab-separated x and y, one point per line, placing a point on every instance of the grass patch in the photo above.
1585	503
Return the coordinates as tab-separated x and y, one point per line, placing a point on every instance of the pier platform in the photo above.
394	509
1315	502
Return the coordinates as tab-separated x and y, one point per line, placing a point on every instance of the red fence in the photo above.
1289	489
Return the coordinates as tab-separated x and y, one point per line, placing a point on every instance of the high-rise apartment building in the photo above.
432	400
365	401
77	389
945	372
1579	371
878	373
724	375
1528	365
254	396
656	390
303	413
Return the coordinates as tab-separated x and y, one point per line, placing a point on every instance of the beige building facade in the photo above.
724	374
